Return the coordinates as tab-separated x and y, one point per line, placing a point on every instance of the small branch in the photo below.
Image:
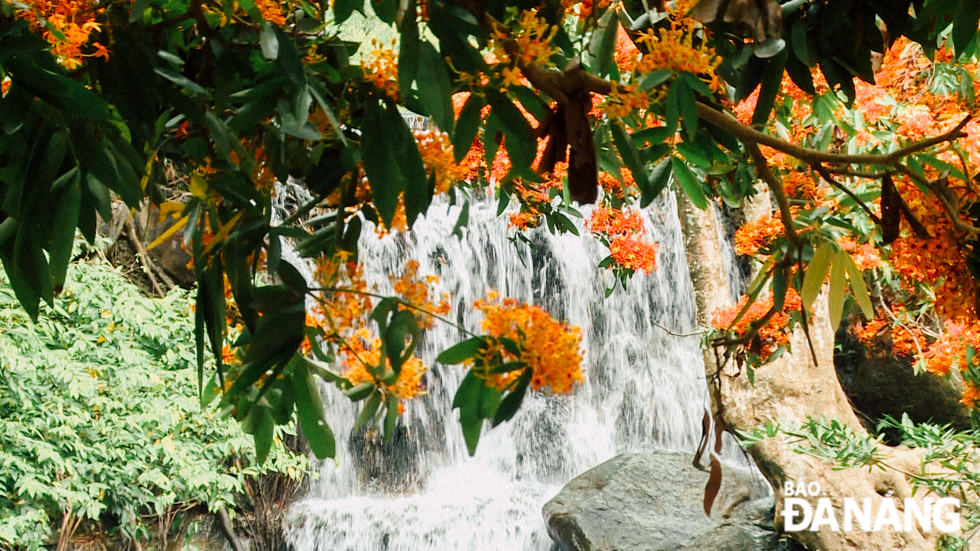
825	174
762	169
144	257
228	529
674	334
812	156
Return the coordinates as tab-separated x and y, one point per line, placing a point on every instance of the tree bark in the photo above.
792	388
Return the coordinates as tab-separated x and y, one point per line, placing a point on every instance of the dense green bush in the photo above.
100	420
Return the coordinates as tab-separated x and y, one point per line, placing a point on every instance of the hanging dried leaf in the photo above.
891	210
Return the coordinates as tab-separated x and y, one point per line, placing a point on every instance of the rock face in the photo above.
652	501
879	383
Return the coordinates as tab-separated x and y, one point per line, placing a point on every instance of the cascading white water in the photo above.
644	386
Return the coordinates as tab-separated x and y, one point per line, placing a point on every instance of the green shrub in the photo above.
100	420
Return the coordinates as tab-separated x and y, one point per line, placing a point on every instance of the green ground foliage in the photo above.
100	425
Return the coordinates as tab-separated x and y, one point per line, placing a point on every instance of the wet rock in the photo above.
652	501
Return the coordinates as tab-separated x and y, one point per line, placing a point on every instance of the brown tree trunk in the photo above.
792	388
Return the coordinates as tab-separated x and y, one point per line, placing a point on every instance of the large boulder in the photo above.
651	501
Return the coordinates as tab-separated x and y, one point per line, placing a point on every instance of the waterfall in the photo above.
644	387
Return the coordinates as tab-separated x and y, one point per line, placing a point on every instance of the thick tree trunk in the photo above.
792	388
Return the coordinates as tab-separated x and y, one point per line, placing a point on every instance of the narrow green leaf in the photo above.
387	181
64	224
263	434
391	416
816	273
268	41
180	80
838	291
402	328
965	25
460	352
512	402
858	288
602	45
369	411
467	126
659	179
689	183
628	151
360	391
435	88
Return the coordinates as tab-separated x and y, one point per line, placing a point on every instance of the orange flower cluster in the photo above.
673	49
437	155
904	341
866	255
417	291
533	36
775	333
271	11
624	100
949	350
939	262
758	234
624	231
381	68
524	219
550	349
365	350
615	222
67	25
632	253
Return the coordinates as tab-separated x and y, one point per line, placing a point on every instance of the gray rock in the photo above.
653	501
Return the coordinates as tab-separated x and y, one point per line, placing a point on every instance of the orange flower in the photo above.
758	234
772	335
550	349
633	253
416	292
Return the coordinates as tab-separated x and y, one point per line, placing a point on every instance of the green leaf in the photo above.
387	181
689	183
816	273
462	221
654	78
659	179
467	126
402	327
391	416
408	49
435	88
369	411
405	151
269	41
64	224
858	288
263	434
801	45
342	9
512	402
771	82
72	97
965	25
460	352
360	391
602	45
628	151
181	80
838	290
